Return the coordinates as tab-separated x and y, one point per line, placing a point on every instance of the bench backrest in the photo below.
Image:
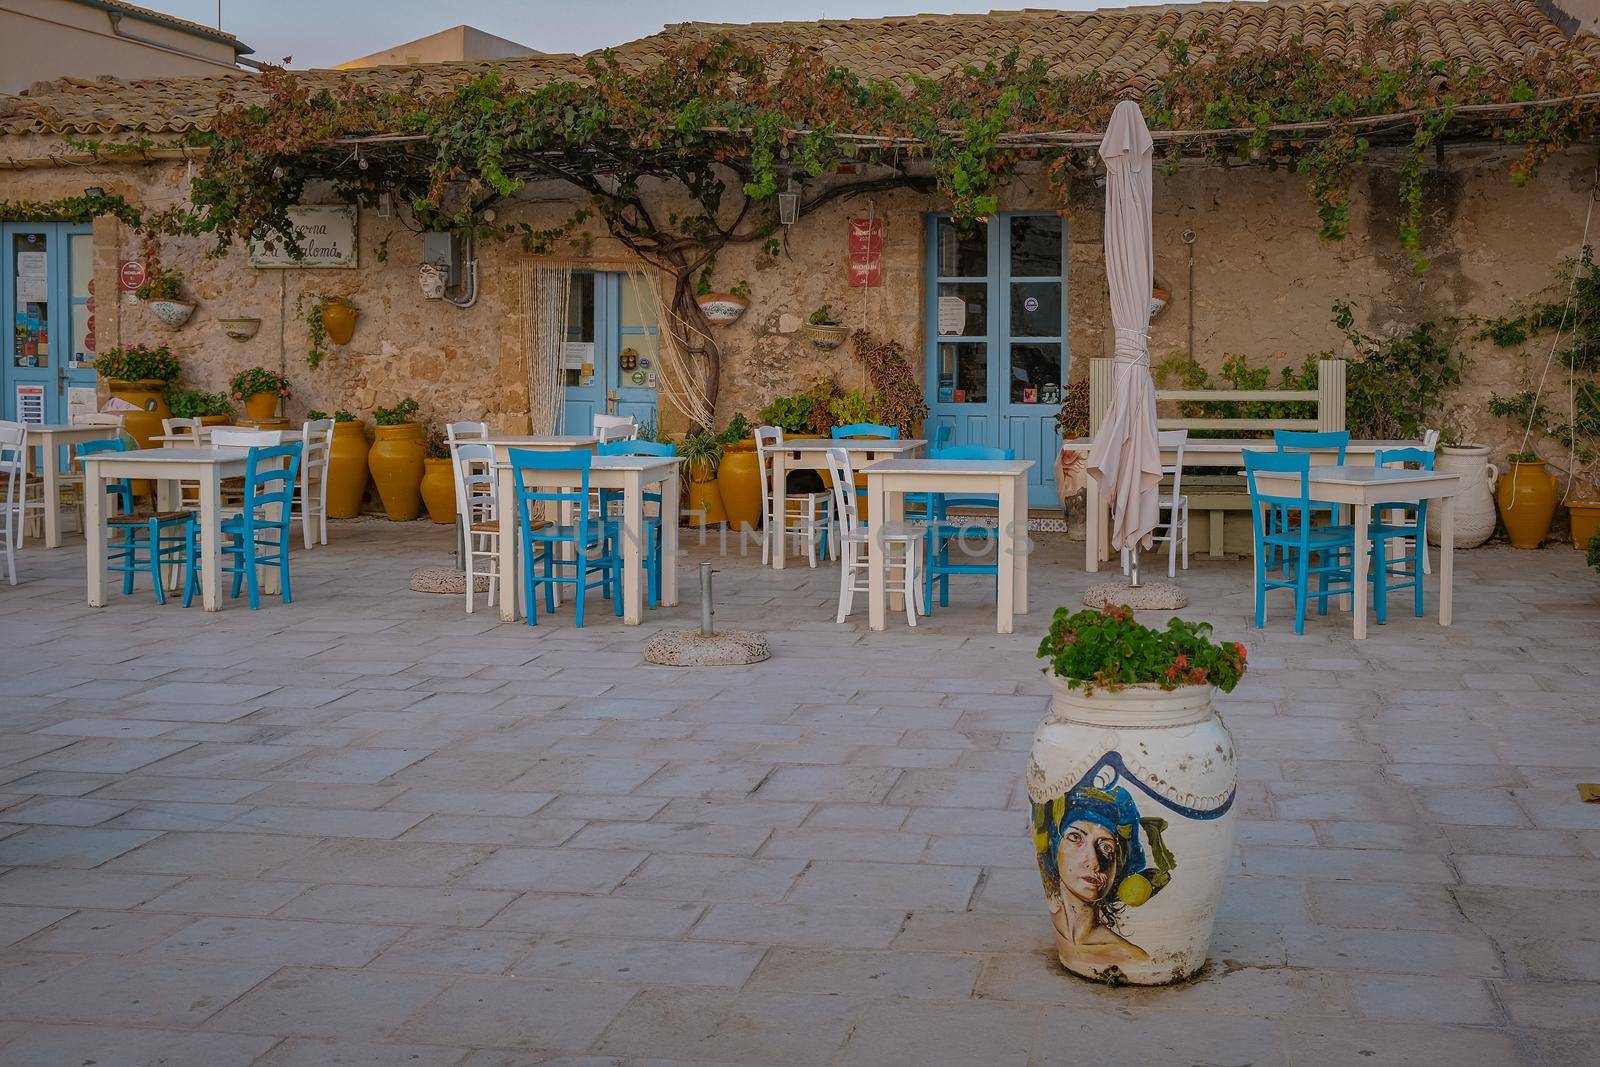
1328	398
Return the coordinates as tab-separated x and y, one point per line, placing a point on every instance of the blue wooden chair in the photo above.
941	531
1309	442
259	535
1289	557
143	544
652	521
941	436
542	541
1394	569
866	429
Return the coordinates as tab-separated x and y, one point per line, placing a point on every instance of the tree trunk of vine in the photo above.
697	339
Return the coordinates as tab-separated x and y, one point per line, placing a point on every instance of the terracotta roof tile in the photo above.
1121	42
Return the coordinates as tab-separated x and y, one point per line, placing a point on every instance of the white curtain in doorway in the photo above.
545	292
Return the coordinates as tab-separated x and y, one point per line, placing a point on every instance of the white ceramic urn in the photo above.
1475	511
1132	817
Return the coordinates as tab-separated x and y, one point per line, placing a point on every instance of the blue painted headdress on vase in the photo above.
1101	801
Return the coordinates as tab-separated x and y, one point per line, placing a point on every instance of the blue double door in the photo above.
47	294
996	356
611	361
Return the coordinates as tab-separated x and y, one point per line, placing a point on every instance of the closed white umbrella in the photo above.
1126	459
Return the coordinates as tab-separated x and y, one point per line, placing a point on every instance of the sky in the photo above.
321	33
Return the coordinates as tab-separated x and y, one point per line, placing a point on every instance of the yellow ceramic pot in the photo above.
347	470
149	395
339	319
396	465
705	503
1527	499
1585	515
439	490
739	484
261	406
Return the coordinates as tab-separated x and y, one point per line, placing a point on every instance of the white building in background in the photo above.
457	44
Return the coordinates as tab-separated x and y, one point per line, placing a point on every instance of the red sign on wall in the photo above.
865	263
131	274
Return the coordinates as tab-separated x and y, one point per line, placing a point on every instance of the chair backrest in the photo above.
615	427
1312	441
121	488
99	418
972	452
767	438
475	479
1176	440
316	437
844	489
1278	463
942	435
525	461
1430	439
1401	457
180	426
13	462
232	437
270	473
465	431
866	429
637	447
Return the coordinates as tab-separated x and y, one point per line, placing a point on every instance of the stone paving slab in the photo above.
367	828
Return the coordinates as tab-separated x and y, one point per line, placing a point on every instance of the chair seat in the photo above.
1393	529
891	531
555	534
165	518
1317	537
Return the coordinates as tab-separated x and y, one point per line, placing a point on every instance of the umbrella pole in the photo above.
1133	567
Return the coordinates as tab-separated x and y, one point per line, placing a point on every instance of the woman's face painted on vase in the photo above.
1087	860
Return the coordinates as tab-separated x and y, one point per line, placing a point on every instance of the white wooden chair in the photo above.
13	478
316	437
908	539
1172	509
615	428
71	481
806	515
188	492
465	431
473	465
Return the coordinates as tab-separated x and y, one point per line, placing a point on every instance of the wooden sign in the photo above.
326	235
865	262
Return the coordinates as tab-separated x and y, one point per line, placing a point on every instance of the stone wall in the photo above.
1263	284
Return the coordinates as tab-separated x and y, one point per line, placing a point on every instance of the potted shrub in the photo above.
212	409
140	375
1527	496
702	454
438	479
1583	509
163	291
1592	554
824	329
396	460
1131	779
739	475
347	464
260	389
791	414
327	318
722	309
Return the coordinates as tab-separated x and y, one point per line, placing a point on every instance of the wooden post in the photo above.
1330	395
1101	383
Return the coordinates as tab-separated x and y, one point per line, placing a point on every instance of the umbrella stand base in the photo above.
1151	595
691	648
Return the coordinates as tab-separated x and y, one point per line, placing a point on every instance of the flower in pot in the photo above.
347	463
212	409
1527	496
140	375
722	309
260	389
327	318
1131	779
163	291
396	459
438	479
702	454
823	328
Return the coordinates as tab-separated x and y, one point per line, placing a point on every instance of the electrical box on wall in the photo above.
443	250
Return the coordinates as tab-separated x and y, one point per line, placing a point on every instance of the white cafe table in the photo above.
51	439
890	480
811	453
1203	452
1365	487
629	475
206	466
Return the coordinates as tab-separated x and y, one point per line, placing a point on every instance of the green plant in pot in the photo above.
1132	780
701	452
191	404
438	478
140	375
260	389
721	309
328	318
824	329
163	292
396	459
852	408
791	414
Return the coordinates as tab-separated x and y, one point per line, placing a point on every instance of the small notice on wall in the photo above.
80	401
30	404
952	314
33	264
31	290
866	253
326	236
575	355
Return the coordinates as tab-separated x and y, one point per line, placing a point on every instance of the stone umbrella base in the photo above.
1150	595
445	580
691	648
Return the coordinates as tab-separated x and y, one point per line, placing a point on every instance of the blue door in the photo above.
47	294
997	336
612	353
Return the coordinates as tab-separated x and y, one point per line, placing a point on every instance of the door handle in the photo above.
611	402
61	380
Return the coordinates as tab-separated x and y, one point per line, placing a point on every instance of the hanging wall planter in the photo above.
339	319
823	331
722	309
1159	299
162	291
241	329
172	313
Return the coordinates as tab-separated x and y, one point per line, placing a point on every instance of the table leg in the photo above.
1024	548
894	511
1447	560
1363	516
780	507
1007	549
94	531
875	562
210	537
670	488
507	503
50	468
632	547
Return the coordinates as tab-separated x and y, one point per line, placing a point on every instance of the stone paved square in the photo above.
369	828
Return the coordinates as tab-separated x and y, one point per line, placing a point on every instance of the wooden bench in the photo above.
1214	493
